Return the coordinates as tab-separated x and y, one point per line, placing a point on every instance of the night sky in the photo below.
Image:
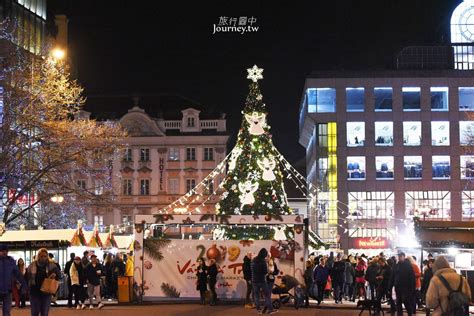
124	47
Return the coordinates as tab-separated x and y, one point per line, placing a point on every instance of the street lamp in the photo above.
58	53
57	199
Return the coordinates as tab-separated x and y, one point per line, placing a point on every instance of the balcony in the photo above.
173	125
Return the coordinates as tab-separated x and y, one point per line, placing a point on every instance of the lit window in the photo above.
384	167
371	205
412	133
467	200
466	98
208	153
412	167
428	204
173	154
355	99
144	154
322	135
466	132
441	168
383	99
356	168
144	187
383	133
321	100
467	167
190	153
99	220
411	98
190	184
439	98
355	134
440	133
127	219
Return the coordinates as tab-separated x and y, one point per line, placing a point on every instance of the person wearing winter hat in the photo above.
437	296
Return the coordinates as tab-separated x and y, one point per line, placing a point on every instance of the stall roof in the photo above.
441	234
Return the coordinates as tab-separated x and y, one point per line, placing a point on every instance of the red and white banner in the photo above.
370	243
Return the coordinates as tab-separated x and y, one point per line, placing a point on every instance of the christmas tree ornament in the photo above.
247	189
233	158
267	165
213	253
257	123
254	73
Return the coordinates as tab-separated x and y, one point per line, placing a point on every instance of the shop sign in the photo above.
371	243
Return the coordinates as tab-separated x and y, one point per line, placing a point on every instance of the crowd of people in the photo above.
88	280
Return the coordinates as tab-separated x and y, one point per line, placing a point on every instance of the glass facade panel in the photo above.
467	200
441	168
321	100
371	205
428	204
355	99
384	167
355	134
411	98
439	98
466	98
356	168
412	167
466	132
440	133
412	133
383	133
467	167
383	99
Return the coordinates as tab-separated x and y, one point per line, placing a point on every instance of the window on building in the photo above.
127	187
467	167
128	155
81	184
466	132
428	204
323	172
411	98
441	168
190	153
371	205
99	188
439	98
321	100
383	99
209	186
467	201
412	133
355	99
322	135
144	154
356	168
466	98
127	219
440	133
190	184
384	167
99	220
209	153
383	133
173	186
144	187
355	134
191	121
173	154
412	167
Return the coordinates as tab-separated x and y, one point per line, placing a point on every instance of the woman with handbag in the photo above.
201	283
43	282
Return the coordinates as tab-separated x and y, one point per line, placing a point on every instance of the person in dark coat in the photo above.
349	275
320	277
247	270
337	278
69	286
371	276
404	283
118	269
201	284
308	280
110	291
427	276
77	280
93	272
8	273
212	272
259	274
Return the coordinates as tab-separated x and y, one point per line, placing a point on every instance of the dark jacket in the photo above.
118	268
308	276
259	270
404	277
42	272
67	267
426	280
349	273
337	272
385	273
8	272
247	269
320	274
201	278
91	273
371	273
212	273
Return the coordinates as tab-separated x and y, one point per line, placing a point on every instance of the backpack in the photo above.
457	300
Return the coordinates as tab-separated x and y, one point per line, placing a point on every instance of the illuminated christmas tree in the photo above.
254	182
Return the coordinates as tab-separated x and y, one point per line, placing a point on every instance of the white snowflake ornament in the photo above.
254	73
257	123
267	165
247	189
233	158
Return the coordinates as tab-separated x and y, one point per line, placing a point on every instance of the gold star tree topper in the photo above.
255	73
